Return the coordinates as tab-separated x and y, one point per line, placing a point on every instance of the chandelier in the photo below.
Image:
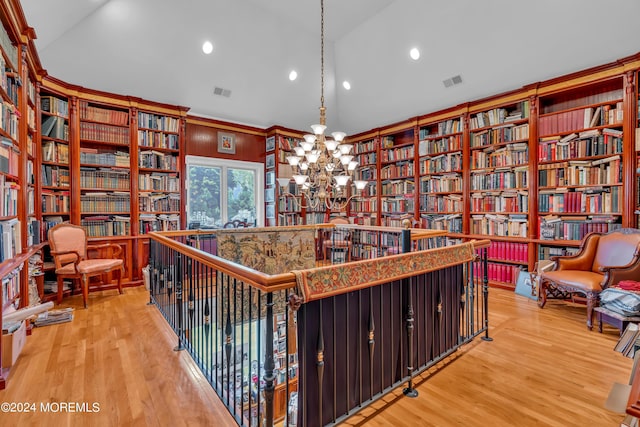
324	164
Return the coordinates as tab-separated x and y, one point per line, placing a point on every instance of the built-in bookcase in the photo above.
397	177
55	160
441	182
159	176
363	207
105	170
580	147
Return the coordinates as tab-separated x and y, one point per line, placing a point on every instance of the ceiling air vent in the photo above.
455	80
221	92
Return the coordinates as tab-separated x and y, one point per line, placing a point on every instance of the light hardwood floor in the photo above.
543	368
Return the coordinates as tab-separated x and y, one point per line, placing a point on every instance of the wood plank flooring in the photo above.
543	368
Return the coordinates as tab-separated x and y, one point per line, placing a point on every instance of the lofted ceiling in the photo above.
152	49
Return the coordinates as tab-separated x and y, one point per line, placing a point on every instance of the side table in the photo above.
614	319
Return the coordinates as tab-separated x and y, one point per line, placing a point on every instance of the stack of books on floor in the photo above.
629	340
52	317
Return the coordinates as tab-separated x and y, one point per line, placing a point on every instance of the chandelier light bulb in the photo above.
352	165
300	179
330	144
304	166
283	182
318	129
342	180
330	167
338	136
345	148
307	146
336	154
345	160
312	157
293	160
310	138
361	185
299	151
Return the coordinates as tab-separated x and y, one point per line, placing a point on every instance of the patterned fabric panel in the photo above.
318	283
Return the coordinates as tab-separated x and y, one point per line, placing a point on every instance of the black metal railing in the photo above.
272	361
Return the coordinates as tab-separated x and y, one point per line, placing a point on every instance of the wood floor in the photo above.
544	368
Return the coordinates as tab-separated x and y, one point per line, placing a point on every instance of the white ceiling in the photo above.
152	49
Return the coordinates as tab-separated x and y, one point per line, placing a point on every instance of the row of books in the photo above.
366	158
9	193
11	287
54	105
395	154
439	184
496	272
441	145
577	172
399	188
505	133
104	178
55	127
586	144
10	239
443	128
364	146
157	160
8	46
149	138
366	173
288	204
450	162
93	156
398	170
500	158
9	80
514	225
105	202
104	115
158	182
150	202
451	223
162	222
498	116
589	200
105	225
9	157
508	201
509	251
55	152
288	218
568	121
397	205
556	228
441	203
157	122
546	252
53	202
500	179
104	133
364	205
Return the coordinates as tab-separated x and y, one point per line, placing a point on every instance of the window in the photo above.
220	190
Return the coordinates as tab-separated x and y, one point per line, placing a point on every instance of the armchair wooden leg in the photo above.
542	294
591	303
60	288
85	289
120	272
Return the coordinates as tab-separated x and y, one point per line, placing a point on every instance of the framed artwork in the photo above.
270	212
226	143
271	143
269	195
270	161
270	178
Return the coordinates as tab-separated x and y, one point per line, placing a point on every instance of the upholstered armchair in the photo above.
70	249
603	260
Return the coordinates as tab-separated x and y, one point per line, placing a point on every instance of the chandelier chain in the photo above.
321	53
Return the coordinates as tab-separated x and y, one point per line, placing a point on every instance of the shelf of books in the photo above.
158	172
54	155
30	181
499	181
397	178
105	170
580	186
441	200
363	207
288	206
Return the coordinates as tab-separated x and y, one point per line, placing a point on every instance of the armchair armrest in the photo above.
117	249
76	253
583	260
614	275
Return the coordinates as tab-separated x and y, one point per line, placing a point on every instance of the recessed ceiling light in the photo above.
207	47
346	85
414	54
293	75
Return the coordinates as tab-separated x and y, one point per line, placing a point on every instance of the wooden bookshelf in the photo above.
363	208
